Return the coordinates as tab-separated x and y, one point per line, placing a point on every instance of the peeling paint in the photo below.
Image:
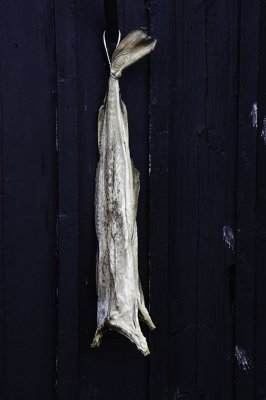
263	131
254	115
229	237
177	394
242	358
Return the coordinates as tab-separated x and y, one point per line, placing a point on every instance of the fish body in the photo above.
120	296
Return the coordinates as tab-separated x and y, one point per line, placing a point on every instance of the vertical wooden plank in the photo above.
216	161
246	194
65	20
28	200
187	107
92	81
108	371
2	266
158	214
198	335
260	245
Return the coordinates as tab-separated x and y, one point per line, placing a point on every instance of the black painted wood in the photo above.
28	201
260	243
202	165
203	124
158	197
68	212
111	19
246	200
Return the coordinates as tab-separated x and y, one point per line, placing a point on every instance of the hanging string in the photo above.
105	46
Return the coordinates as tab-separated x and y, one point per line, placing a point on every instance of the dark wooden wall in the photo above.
197	119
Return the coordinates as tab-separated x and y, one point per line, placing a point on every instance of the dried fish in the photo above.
120	296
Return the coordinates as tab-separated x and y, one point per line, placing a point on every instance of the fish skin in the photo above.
120	296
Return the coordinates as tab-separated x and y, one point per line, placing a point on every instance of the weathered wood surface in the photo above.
245	312
260	230
202	138
68	208
197	130
28	201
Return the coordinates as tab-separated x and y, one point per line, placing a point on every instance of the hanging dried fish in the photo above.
120	296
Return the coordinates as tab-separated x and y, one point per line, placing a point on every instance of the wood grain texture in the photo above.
216	160
260	228
158	198
200	89
68	213
246	198
28	201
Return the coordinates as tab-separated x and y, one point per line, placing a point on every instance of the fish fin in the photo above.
127	329
97	337
136	185
132	48
100	125
133	334
143	310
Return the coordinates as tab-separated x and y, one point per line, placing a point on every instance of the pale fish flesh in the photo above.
120	296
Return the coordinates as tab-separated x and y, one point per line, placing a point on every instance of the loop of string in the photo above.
106	50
